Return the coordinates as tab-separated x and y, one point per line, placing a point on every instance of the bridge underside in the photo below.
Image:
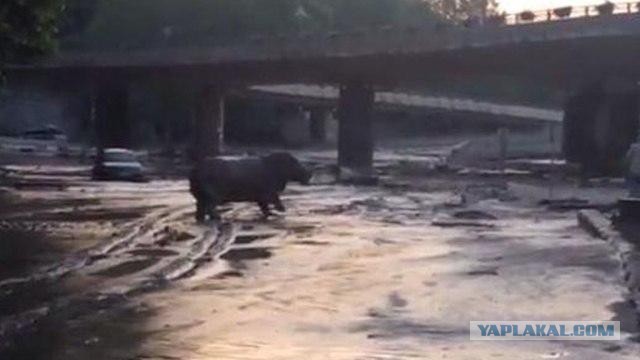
562	64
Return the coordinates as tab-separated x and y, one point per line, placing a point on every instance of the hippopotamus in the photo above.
216	181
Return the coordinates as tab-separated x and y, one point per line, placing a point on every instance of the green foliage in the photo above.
128	24
27	28
463	9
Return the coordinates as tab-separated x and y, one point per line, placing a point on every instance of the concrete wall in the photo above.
22	111
542	142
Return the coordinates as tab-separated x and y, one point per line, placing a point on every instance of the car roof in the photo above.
117	150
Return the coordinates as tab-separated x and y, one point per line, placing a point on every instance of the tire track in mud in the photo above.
212	242
79	260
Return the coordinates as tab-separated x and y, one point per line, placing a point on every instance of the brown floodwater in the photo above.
348	273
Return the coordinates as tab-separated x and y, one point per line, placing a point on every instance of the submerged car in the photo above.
118	164
48	138
48	133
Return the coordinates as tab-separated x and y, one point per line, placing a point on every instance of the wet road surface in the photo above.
349	273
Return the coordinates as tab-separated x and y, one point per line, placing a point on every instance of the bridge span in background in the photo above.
328	95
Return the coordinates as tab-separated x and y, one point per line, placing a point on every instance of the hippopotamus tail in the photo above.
194	181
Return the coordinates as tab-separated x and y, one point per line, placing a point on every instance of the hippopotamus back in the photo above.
234	179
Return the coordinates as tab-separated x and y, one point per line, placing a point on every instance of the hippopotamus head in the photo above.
288	167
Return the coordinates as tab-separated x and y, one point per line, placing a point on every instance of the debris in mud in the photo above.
478	192
372	204
332	210
487	172
153	252
392	220
453	222
397	301
301	228
229	274
628	210
127	268
573	204
169	235
91	341
483	272
311	243
395	185
242	254
39	185
381	241
250	238
454	201
473	215
353	177
390	326
612	348
86	215
325	175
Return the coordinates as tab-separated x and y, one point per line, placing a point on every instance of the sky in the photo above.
511	6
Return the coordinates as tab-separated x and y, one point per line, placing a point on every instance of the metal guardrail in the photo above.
564	13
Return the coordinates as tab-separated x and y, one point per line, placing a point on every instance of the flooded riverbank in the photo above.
387	272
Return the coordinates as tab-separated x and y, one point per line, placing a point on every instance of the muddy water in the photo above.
355	273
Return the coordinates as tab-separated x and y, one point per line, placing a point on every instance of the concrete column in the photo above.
294	127
319	117
110	105
600	124
209	122
355	130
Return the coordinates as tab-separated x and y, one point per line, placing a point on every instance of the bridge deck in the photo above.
379	41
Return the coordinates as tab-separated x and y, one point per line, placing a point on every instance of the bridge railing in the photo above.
563	13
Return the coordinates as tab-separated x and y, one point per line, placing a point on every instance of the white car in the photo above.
118	164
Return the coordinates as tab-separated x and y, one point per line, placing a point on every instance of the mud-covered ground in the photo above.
394	271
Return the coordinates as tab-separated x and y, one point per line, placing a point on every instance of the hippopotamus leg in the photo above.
264	207
201	209
206	205
212	211
277	203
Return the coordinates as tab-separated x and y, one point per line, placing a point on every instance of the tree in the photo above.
133	24
458	10
27	28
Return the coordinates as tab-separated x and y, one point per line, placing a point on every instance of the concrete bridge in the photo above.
569	54
562	52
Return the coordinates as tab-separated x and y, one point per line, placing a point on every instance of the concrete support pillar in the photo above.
355	130
209	122
601	121
319	117
294	127
112	125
